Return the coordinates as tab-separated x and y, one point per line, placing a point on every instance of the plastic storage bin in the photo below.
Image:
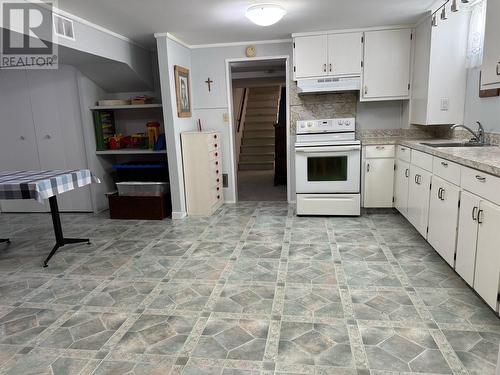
137	171
142	189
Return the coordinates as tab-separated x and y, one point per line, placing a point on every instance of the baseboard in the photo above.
230	202
178	215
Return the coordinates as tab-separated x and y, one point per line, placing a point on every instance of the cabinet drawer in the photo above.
447	170
381	151
403	153
422	160
482	184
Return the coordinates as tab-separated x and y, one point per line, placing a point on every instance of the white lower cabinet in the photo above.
443	218
467	237
401	186
486	276
379	182
418	198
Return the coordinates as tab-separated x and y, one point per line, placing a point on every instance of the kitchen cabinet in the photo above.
379	176
323	55
486	275
443	218
386	65
490	70
439	71
401	186
418	198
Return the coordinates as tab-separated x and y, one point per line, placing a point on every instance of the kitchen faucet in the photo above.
478	137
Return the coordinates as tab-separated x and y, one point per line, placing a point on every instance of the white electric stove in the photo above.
328	168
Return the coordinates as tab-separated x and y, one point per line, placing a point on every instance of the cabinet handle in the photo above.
331	68
324	68
417	179
367	167
480	178
439	192
403	149
22	138
442	194
380	147
366	90
498	69
444	164
407	173
474	212
47	136
480	216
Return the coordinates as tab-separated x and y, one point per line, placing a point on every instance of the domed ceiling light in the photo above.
265	14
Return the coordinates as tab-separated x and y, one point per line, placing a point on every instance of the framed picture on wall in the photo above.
182	91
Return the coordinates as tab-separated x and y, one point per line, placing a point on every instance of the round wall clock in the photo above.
251	51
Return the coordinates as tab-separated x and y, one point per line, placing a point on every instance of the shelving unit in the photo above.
118	107
131	151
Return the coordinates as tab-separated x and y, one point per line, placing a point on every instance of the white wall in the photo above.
380	115
171	53
486	110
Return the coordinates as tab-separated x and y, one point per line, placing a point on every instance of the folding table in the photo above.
42	185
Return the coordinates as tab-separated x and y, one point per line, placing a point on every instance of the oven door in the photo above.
328	169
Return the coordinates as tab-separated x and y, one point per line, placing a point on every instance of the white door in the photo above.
344	54
386	71
443	218
311	56
418	199
486	279
379	183
490	76
56	114
402	176
467	237
18	145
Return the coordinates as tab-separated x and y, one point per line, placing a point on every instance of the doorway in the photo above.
259	115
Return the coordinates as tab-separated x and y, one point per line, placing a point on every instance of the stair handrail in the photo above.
242	106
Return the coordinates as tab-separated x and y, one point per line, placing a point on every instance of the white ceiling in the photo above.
218	21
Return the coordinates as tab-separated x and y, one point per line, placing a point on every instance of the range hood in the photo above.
323	85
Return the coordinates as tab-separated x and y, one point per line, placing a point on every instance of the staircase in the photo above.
257	146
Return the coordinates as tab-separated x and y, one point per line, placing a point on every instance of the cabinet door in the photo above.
379	182
486	277
386	72
311	56
418	199
18	146
490	76
467	237
443	218
344	54
402	177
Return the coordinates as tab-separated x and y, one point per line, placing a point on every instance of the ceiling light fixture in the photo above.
265	14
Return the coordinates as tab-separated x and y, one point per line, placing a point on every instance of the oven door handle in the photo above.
315	150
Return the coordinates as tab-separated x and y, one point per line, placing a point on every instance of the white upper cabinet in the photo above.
490	77
387	61
439	72
328	55
311	56
345	54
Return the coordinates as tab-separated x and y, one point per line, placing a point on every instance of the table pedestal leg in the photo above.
60	240
4	240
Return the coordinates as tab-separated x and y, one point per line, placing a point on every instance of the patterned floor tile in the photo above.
15	288
103	266
150	267
201	269
272	235
432	275
223	234
315	344
314	272
414	253
169	248
134	368
247	269
64	291
189	296
313	301
356	253
214	249
370	274
125	247
233	339
306	252
245	299
356	236
310	236
261	250
120	294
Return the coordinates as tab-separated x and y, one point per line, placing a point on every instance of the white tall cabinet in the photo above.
490	78
42	130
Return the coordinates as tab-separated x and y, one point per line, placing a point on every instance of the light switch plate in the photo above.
445	104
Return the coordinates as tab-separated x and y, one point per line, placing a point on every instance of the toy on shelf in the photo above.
153	131
140	100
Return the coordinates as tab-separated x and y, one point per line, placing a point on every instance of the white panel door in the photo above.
386	71
443	218
311	56
345	54
486	279
379	183
418	199
18	146
490	77
467	237
56	113
402	178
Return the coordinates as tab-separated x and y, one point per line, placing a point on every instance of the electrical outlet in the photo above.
225	117
445	104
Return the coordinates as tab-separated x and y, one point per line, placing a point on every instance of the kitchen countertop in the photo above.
485	159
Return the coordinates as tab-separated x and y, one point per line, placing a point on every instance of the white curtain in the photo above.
476	35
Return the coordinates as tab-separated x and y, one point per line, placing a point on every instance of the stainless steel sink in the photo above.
455	144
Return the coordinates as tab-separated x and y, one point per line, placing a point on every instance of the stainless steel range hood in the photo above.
325	85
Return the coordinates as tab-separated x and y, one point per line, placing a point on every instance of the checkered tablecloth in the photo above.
41	185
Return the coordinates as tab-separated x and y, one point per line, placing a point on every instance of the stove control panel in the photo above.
326	126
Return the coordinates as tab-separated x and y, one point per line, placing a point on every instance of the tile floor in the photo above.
251	290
